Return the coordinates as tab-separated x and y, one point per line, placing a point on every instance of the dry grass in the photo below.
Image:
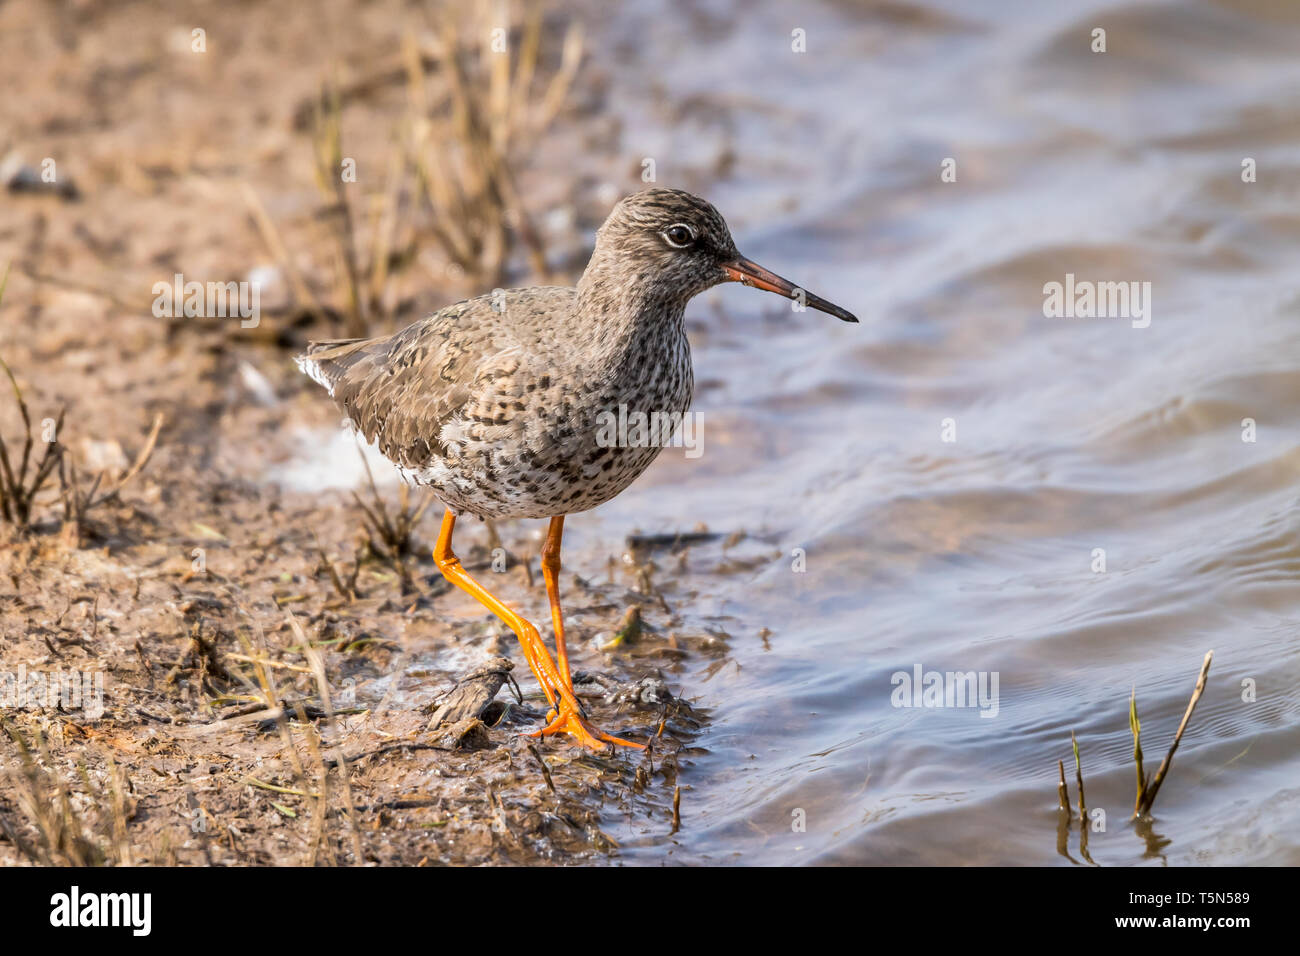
478	100
312	774
310	786
78	501
51	831
391	534
19	486
362	291
24	476
464	144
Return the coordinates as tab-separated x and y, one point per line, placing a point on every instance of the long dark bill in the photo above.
749	272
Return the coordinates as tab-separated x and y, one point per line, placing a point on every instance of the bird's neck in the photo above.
629	313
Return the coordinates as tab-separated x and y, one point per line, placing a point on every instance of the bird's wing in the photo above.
413	391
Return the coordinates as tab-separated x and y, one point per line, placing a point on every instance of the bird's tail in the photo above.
327	362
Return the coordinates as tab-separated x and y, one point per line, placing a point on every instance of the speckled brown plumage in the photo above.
495	402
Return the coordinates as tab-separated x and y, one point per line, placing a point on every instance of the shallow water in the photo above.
1071	434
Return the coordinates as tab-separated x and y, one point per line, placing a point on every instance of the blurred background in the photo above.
960	483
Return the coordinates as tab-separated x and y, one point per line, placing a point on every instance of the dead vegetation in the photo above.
463	145
1147	786
391	534
19	486
312	775
79	500
484	82
387	537
24	476
57	824
479	96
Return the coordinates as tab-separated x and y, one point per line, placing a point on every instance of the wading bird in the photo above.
496	402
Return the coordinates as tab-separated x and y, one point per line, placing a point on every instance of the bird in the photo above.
497	403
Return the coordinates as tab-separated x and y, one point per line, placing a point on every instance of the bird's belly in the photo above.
535	469
499	485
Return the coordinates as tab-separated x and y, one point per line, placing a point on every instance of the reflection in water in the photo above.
1155	843
1083	842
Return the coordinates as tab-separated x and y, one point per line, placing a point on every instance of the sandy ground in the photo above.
181	588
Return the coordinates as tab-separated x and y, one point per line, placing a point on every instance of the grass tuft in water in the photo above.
1147	789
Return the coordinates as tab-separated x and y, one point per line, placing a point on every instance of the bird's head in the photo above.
677	245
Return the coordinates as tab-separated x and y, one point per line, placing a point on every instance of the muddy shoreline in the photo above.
209	599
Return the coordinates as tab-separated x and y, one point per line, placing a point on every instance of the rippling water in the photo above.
1072	434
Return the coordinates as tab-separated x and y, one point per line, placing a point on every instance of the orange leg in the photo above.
569	716
551	574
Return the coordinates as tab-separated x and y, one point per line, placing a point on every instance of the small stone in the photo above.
468	734
646	691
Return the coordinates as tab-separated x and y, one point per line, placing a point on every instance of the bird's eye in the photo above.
679	235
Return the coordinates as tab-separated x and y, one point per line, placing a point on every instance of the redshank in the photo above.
496	402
